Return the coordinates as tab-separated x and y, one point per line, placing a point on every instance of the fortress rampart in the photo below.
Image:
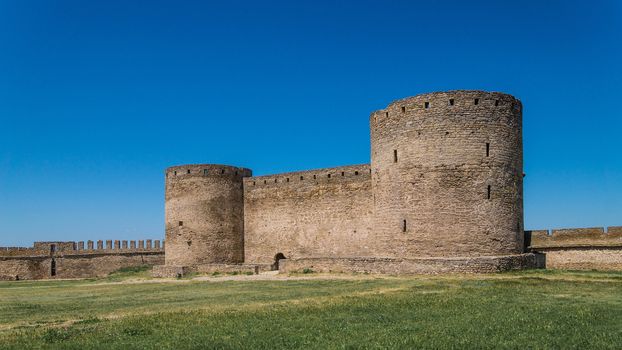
77	259
322	212
579	248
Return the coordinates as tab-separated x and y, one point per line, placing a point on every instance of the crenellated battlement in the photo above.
118	246
359	172
206	170
65	248
464	101
576	237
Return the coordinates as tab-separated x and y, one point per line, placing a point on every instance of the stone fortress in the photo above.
443	193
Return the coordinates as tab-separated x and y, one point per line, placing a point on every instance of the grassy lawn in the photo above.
532	309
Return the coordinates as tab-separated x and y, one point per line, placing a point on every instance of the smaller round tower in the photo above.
204	214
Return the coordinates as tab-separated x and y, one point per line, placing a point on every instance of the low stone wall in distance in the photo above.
101	265
593	248
486	264
20	268
50	260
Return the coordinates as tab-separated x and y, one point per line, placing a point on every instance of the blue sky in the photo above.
97	98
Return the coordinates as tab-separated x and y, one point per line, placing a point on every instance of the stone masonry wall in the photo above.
397	266
447	172
575	237
579	258
91	265
24	268
316	213
47	260
579	248
204	211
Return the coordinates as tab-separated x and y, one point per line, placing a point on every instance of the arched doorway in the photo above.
277	257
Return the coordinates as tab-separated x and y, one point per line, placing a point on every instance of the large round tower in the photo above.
447	175
204	214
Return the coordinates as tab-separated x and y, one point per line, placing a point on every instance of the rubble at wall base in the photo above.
168	271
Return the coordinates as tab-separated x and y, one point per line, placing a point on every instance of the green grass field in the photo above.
532	309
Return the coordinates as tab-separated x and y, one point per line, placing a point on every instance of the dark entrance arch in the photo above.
277	257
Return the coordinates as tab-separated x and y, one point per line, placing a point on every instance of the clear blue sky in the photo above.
97	98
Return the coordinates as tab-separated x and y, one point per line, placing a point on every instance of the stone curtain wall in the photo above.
579	248
71	260
447	173
576	237
204	214
316	213
88	265
25	268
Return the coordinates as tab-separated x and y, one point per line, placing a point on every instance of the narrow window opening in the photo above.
403	109
188	171
404	226
236	173
204	171
181	223
356	173
254	183
53	268
496	103
175	173
386	114
476	102
451	101
427	105
265	182
222	171
487	149
343	173
488	192
52	248
302	178
394	156
287	179
275	180
329	176
314	177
